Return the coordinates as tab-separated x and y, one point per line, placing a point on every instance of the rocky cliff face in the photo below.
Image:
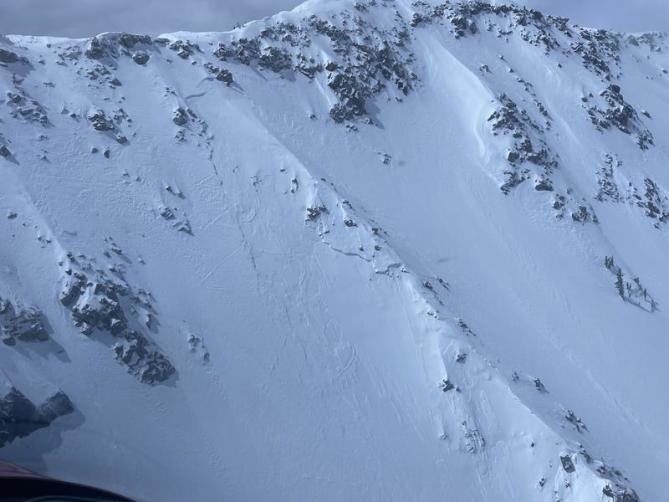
361	250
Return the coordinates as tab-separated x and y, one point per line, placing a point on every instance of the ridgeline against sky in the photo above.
81	18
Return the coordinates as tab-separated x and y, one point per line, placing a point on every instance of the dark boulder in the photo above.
224	76
620	494
141	57
567	464
446	385
21	324
180	117
8	56
19	417
129	40
95	49
56	406
99	120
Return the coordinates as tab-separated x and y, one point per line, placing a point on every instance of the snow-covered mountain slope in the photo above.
372	250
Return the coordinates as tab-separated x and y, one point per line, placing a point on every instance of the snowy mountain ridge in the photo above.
358	251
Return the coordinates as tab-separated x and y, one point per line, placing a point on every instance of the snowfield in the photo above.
370	250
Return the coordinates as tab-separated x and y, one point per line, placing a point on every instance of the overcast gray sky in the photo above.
79	18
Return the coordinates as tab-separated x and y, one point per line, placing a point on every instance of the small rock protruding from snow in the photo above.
313	213
567	463
220	74
180	116
575	421
197	346
539	386
140	57
446	385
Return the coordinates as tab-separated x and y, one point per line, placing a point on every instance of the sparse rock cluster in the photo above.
619	493
528	146
584	214
315	212
99	302
633	291
608	187
183	48
101	122
469	18
654	201
619	114
651	197
575	421
110	45
474	442
172	210
599	50
197	347
176	218
220	74
617	489
367	59
25	108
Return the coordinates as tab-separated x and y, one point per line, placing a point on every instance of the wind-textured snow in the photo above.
372	250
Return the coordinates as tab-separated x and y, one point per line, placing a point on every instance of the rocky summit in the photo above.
361	250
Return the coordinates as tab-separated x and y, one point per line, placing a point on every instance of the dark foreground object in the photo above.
20	485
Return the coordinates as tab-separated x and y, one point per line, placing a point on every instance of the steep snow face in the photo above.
371	250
